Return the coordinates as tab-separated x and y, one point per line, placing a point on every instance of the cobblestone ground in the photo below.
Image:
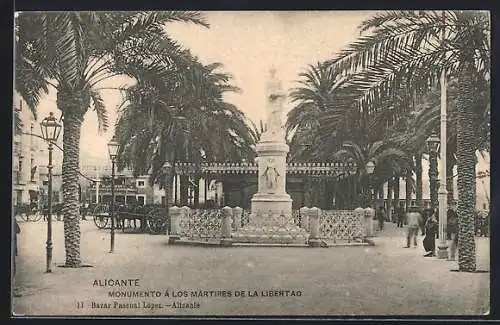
377	280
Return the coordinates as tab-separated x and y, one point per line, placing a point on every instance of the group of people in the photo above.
425	221
428	222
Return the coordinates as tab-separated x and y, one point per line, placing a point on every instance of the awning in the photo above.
312	169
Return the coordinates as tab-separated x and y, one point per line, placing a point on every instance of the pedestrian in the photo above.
452	232
431	228
381	217
413	220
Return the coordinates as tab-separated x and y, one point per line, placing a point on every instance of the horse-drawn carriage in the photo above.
27	212
145	218
35	211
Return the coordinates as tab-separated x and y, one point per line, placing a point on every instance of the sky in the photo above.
247	44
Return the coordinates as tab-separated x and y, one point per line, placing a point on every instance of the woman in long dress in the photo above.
431	227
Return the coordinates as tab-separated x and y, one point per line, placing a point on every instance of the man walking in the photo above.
413	220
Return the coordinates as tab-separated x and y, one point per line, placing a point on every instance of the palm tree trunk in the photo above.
466	167
307	192
408	182
70	177
184	190
433	177
355	202
390	188
380	192
196	192
73	104
396	193
418	181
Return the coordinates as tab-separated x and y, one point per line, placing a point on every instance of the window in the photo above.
19	175
141	199
140	184
19	197
33	169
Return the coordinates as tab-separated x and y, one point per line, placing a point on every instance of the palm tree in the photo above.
407	46
427	121
384	155
191	121
73	53
316	113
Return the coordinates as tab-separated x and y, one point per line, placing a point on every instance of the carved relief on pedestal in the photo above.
271	176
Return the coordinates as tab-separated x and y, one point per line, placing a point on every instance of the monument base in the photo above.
271	228
265	203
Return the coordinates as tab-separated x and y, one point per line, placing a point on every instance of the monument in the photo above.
271	219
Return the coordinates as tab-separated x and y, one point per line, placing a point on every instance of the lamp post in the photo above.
50	129
370	168
442	192
113	147
433	147
167	171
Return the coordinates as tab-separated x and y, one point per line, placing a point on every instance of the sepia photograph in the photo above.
251	163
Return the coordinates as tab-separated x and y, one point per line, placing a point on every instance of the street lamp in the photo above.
50	132
113	147
167	171
370	168
433	147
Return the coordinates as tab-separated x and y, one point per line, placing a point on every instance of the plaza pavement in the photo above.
385	279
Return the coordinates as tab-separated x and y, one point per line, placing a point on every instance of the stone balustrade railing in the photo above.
219	224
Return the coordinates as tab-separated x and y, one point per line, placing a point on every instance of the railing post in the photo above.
314	240
304	218
369	214
237	213
360	214
226	240
175	218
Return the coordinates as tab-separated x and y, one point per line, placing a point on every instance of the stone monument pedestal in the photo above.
271	219
271	194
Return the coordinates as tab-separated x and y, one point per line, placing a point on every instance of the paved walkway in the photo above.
385	279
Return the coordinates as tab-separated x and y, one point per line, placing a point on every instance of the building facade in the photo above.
129	189
26	152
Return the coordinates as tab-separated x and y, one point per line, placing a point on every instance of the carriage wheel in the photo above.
101	221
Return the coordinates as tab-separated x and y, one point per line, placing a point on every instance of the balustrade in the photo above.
220	225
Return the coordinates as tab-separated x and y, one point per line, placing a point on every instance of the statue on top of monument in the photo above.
275	97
